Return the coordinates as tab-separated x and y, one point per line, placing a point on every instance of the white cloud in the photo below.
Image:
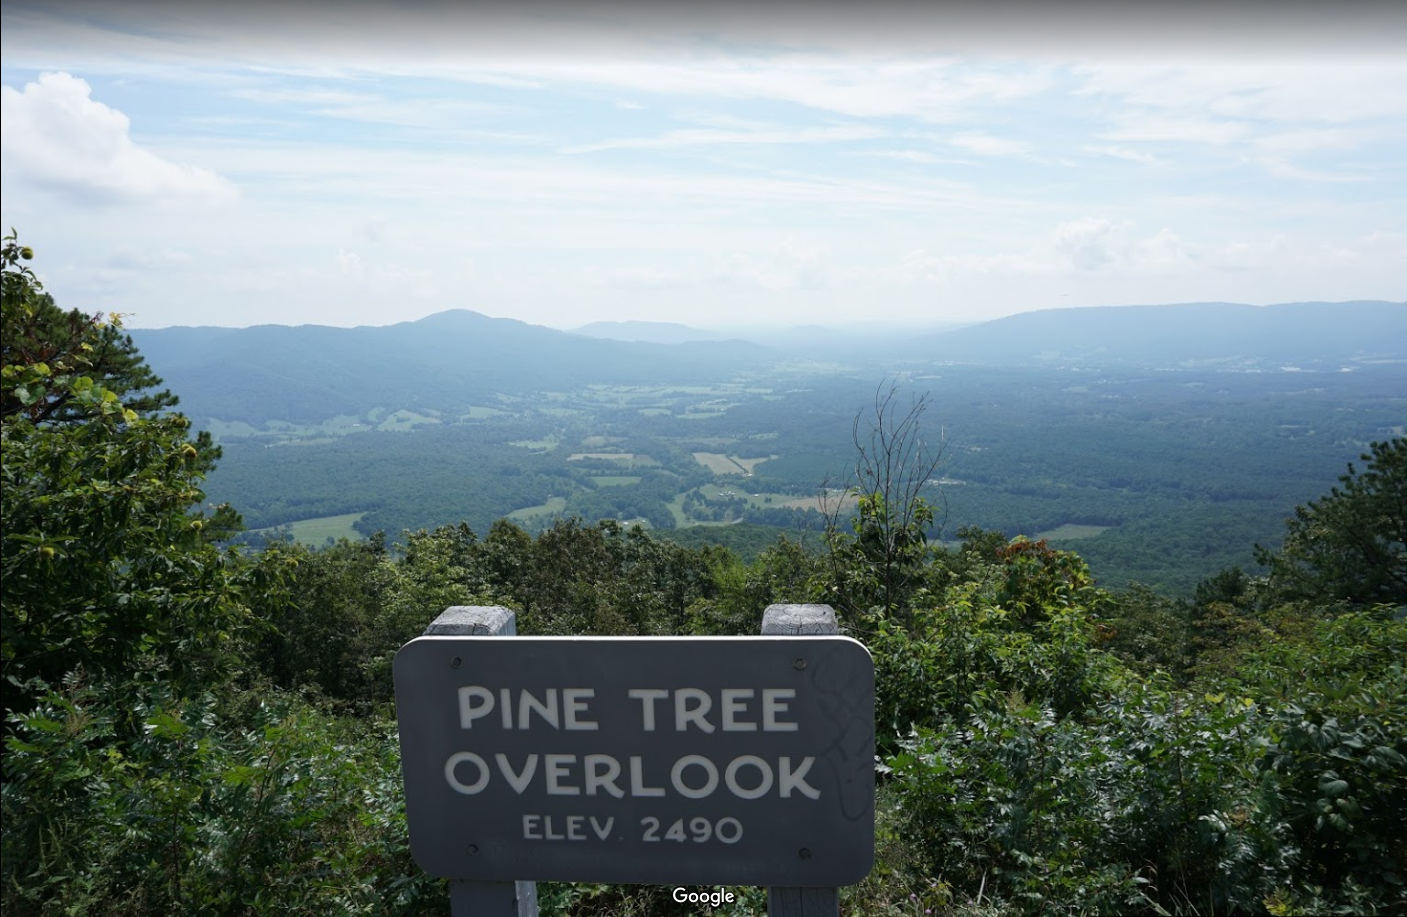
908	156
1091	243
696	137
348	263
1164	250
134	259
1094	243
377	109
1145	127
1120	152
57	137
990	146
1280	168
1253	255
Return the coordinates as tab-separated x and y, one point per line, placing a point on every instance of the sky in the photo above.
367	163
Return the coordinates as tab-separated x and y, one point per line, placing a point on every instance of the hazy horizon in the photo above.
772	166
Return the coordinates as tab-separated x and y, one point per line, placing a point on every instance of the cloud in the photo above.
907	156
695	137
348	263
1094	243
1178	130
1250	255
373	108
1120	152
57	137
134	259
1163	250
1280	168
1091	243
986	145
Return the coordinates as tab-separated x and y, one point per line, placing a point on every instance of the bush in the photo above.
122	799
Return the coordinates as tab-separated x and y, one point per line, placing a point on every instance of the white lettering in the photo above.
468	789
676	776
596	780
647	697
734	702
556	770
518	781
601	774
468	712
574	703
773	703
530	828
527	703
506	707
730	776
637	780
684	714
796	781
603	831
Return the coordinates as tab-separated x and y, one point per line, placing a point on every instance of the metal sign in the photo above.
691	761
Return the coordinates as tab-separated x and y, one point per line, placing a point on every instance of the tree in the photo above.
884	555
39	338
1350	545
107	565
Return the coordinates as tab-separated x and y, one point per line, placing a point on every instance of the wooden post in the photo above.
793	621
484	899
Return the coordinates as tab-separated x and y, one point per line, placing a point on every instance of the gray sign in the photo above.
698	761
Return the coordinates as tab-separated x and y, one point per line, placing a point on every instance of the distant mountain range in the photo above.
649	332
459	358
446	361
1310	334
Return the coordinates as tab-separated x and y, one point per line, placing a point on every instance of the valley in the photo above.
1163	473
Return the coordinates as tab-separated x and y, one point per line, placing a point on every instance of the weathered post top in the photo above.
799	621
473	621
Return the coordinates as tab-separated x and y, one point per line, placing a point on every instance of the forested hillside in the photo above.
1159	477
196	727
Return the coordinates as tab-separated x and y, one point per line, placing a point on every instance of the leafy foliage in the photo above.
104	565
199	806
1350	545
46	352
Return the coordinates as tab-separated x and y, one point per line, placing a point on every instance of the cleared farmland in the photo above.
720	463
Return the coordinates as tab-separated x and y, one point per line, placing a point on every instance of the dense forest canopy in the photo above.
196	726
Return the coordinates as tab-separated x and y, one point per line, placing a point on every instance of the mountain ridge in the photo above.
458	358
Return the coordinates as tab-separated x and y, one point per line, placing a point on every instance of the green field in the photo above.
719	463
220	429
403	421
615	480
481	413
751	500
536	445
1070	532
316	532
526	513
